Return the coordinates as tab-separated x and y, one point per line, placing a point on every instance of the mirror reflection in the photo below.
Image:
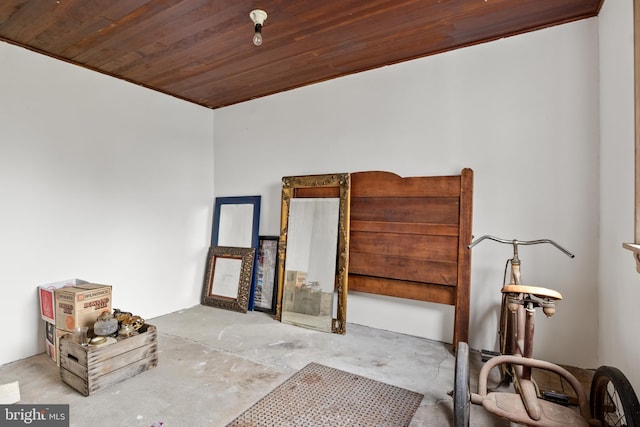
236	225
311	263
226	277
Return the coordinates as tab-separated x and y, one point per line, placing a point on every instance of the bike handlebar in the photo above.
516	242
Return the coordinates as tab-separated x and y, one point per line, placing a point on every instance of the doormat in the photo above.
321	396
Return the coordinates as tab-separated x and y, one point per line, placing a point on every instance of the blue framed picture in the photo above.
236	221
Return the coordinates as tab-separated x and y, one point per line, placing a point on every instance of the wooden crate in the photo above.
92	368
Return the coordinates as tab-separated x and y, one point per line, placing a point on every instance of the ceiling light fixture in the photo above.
258	17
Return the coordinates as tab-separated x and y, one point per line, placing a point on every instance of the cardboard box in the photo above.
47	299
81	305
52	337
91	368
50	340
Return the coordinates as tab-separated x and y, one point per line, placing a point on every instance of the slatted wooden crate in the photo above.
92	368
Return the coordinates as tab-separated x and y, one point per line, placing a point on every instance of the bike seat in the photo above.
533	290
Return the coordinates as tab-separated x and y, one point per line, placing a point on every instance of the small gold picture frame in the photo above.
227	280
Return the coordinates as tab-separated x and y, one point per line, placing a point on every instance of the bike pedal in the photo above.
554	397
488	354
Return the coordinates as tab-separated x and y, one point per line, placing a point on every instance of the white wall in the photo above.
522	112
619	290
101	180
113	183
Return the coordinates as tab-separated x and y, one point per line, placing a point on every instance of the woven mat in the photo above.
321	396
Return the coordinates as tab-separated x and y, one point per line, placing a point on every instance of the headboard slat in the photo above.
437	210
403	268
415	246
403	289
405	228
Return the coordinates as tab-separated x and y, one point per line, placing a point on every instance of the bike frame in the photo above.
519	310
517	326
526	388
518	359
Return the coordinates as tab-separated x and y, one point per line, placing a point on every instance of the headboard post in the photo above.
463	290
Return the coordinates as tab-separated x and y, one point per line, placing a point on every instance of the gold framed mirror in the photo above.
313	251
227	281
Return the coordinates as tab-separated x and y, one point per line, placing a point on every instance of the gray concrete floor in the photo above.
214	364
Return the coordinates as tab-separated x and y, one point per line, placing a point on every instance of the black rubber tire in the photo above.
612	399
461	390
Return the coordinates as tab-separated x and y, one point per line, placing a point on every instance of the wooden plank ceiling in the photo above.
202	51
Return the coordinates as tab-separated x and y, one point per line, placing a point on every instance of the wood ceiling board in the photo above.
201	51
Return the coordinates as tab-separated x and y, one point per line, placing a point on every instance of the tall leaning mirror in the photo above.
313	252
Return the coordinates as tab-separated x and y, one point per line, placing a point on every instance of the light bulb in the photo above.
258	16
257	39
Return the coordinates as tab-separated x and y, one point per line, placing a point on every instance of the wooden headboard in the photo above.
409	237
